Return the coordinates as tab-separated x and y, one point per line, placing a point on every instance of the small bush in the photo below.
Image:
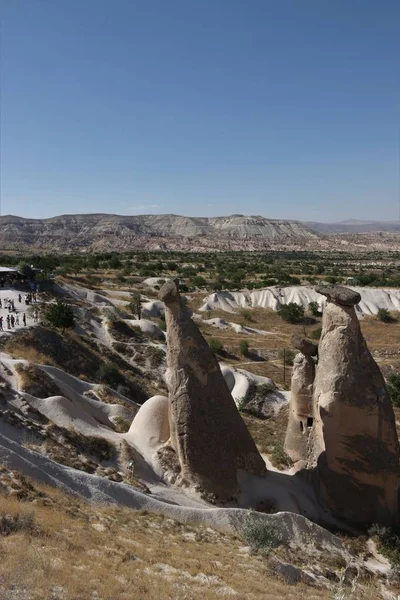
162	324
279	457
261	535
314	309
292	312
394	388
121	425
156	356
110	374
14	523
99	447
216	345
246	314
244	347
384	316
316	333
389	543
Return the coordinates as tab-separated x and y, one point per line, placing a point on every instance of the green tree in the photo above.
135	304
60	315
198	281
26	270
292	312
115	262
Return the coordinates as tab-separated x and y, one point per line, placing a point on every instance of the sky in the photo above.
281	108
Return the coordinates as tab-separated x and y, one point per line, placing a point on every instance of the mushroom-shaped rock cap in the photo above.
169	292
305	346
339	294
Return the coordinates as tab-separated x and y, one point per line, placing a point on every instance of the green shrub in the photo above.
314	309
261	535
292	312
162	324
156	356
279	457
316	333
389	543
121	425
384	315
110	374
246	314
216	345
394	388
244	347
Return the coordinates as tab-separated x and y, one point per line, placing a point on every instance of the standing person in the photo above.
0	304
8	321
17	320
12	321
35	316
19	298
24	319
1	323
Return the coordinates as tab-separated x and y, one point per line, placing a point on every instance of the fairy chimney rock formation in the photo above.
208	434
354	445
301	399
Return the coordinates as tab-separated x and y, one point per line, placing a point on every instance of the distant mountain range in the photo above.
105	232
353	226
98	232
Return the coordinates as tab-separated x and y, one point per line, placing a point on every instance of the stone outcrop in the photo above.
208	434
301	399
354	445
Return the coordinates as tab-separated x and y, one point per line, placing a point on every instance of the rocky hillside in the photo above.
103	232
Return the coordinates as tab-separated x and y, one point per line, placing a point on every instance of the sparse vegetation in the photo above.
110	374
394	388
384	315
314	309
244	348
388	543
279	457
287	356
216	345
316	333
261	536
246	314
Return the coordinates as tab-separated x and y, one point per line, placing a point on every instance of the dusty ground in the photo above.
53	546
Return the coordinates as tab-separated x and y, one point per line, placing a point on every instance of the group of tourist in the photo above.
12	319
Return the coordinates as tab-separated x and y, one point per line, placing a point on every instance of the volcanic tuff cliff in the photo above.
103	231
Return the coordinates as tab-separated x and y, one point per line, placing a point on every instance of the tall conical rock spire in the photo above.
207	431
354	445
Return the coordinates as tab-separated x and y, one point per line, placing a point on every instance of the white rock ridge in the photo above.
372	299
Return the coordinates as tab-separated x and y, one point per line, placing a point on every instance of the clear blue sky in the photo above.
284	108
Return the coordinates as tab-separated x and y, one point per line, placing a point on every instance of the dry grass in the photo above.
35	382
75	551
268	433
